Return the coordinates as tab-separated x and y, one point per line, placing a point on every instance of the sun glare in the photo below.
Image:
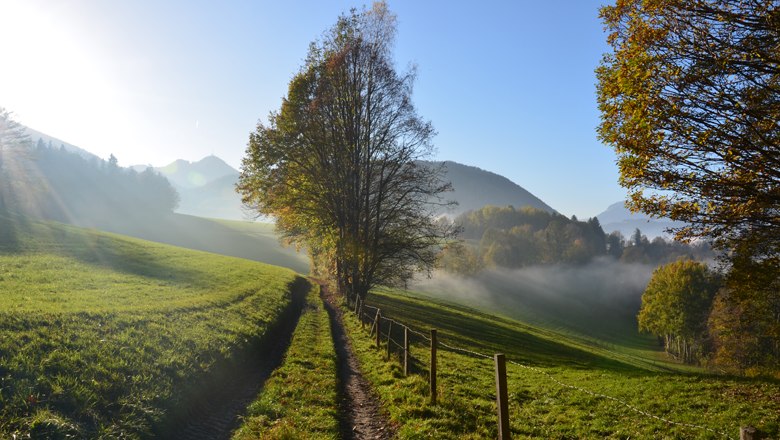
52	79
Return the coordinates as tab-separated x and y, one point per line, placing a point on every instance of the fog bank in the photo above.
597	299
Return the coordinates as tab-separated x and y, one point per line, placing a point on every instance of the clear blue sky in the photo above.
509	85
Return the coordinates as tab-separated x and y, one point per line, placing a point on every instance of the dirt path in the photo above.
360	410
217	415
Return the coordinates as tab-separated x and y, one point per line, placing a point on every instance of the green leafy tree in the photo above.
675	306
689	100
336	165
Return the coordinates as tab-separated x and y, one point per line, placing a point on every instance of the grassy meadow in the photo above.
559	390
243	239
103	336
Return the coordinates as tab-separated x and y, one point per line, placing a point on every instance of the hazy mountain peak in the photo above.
185	174
619	218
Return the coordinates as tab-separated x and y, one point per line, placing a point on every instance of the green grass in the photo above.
300	399
594	306
102	336
540	406
242	239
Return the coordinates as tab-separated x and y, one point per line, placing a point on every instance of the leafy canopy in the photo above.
690	101
337	164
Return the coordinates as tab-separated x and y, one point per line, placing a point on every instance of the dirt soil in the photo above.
361	413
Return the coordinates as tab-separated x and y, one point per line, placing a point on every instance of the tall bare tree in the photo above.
337	165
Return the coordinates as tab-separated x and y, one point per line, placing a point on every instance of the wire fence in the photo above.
373	315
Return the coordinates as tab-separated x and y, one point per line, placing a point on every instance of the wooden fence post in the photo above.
433	366
378	326
357	302
389	332
502	397
360	317
406	351
747	433
374	324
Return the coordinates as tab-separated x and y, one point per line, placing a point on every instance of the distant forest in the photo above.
53	183
510	237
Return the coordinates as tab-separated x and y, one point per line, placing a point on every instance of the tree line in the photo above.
46	181
510	237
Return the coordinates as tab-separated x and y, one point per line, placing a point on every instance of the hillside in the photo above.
104	336
250	240
474	188
36	135
557	387
64	186
207	189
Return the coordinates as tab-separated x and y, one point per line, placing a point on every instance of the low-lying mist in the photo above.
599	299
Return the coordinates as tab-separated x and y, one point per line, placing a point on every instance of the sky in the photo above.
508	85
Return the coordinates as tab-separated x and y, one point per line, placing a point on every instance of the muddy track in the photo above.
217	412
361	415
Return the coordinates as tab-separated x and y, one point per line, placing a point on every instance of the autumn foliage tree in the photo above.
690	101
337	168
675	306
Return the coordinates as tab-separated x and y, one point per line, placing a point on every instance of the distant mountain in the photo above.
186	175
216	199
618	218
475	188
206	187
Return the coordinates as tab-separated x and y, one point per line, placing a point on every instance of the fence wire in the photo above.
542	372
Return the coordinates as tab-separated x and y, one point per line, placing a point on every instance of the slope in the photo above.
242	239
557	387
215	199
36	135
107	336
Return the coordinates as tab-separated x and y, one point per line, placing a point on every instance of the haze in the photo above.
508	85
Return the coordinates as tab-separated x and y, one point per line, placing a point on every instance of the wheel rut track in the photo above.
360	412
217	413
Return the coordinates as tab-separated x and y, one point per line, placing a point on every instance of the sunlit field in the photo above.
106	336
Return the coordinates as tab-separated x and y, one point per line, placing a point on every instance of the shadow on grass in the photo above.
11	226
19	234
207	235
213	405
